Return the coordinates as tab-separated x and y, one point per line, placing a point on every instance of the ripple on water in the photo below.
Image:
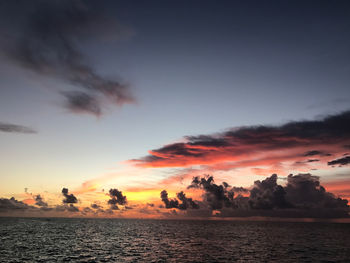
116	240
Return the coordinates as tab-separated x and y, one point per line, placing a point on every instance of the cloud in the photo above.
9	205
48	40
13	128
302	196
117	198
341	161
66	207
95	206
315	152
255	146
215	196
72	208
69	198
39	201
185	204
267	194
81	102
305	191
169	203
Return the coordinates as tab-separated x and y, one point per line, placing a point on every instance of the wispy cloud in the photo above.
47	39
14	128
341	161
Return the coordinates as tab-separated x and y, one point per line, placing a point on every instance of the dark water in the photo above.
113	240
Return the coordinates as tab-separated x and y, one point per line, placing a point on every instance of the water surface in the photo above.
122	240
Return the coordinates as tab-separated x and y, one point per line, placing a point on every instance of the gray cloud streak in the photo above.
48	41
13	128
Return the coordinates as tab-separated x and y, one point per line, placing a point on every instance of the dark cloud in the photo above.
305	191
13	128
302	196
237	143
185	204
72	208
308	161
117	198
267	194
340	161
87	210
39	201
315	152
69	198
169	203
47	37
95	206
9	205
66	207
216	196
81	102
46	208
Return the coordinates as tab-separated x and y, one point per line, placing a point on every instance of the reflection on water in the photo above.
121	240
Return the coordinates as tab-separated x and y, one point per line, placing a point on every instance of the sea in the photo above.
133	240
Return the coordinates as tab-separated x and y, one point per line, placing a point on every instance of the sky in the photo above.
158	109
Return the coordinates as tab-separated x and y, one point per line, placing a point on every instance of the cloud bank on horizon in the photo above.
302	197
47	37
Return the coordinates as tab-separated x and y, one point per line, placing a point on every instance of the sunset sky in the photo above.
102	100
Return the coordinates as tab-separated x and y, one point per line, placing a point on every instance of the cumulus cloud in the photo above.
267	194
256	145
216	196
302	196
10	205
39	201
47	37
68	198
184	204
117	198
169	203
13	128
341	161
305	191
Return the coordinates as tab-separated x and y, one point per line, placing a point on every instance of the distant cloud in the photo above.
68	198
116	198
216	196
315	152
39	201
8	205
302	196
13	128
341	161
95	206
184	204
256	145
46	37
66	207
80	102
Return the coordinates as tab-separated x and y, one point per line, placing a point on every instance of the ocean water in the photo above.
122	240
